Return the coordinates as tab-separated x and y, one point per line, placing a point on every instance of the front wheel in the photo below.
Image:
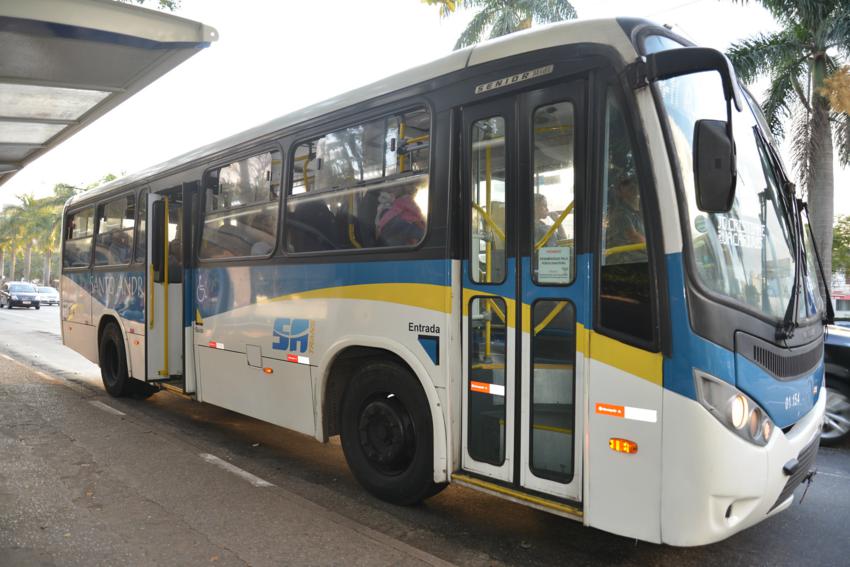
386	433
836	420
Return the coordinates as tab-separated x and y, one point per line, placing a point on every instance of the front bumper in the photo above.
24	303
718	483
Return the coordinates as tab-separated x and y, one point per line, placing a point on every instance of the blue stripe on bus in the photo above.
785	402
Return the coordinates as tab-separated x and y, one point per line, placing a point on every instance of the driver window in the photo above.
624	296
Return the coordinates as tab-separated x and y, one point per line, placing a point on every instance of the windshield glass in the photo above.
22	288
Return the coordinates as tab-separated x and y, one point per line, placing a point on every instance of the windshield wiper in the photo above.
785	329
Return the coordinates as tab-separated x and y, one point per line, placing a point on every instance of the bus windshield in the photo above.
746	254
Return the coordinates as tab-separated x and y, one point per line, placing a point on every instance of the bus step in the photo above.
540	502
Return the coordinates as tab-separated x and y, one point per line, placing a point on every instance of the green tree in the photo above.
496	18
799	60
841	246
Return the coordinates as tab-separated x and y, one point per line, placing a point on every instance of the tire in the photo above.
113	362
38	307
386	433
836	422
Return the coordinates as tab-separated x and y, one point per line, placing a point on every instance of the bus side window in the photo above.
625	292
364	186
114	241
79	229
241	211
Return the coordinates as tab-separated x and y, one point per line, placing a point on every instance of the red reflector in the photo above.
622	445
292	358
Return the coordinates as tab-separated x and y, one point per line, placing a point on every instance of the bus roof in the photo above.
607	31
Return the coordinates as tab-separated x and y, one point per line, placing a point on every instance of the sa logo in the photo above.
291	334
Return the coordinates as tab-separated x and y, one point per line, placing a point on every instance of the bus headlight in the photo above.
734	409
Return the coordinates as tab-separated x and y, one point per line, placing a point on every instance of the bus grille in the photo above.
783	367
806	458
783	363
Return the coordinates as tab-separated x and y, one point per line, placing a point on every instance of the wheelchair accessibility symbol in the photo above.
292	334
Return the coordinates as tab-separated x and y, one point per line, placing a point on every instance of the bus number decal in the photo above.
292	334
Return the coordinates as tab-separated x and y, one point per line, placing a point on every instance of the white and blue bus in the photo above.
564	267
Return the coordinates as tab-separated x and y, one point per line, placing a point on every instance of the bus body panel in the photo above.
78	331
713	472
624	402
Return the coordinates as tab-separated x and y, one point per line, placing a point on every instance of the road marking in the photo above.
836	475
106	408
253	479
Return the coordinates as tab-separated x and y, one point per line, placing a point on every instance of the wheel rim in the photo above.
836	420
110	361
386	434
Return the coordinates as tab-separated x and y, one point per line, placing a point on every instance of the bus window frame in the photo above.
141	196
311	134
73	211
269	147
659	302
102	203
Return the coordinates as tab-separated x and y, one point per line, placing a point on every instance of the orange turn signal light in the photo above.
622	445
268	370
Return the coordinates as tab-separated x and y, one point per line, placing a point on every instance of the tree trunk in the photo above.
45	270
28	262
14	261
2	263
821	183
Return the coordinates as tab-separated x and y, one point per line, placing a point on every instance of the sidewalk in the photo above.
85	481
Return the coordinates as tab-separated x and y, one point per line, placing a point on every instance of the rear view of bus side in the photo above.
504	269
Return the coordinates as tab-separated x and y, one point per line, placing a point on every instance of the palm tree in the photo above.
798	59
501	17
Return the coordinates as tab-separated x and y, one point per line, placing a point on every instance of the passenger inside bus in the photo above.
399	220
541	226
625	223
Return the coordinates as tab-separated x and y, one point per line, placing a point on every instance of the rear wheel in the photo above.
113	362
836	420
386	433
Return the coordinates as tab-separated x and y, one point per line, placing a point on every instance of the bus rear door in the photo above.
164	306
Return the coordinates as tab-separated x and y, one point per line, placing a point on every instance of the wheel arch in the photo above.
338	366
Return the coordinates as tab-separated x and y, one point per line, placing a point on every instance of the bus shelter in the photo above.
65	63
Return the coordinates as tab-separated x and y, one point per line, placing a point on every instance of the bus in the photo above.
565	268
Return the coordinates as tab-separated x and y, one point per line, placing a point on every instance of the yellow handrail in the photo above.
489	220
352	237
164	372
545	238
548	319
638	246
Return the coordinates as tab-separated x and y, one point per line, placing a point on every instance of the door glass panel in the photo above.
624	298
553	351
175	239
489	170
486	415
554	183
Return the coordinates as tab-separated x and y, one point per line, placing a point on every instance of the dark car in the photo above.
19	294
836	424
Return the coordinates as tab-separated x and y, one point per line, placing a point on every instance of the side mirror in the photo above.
157	230
715	173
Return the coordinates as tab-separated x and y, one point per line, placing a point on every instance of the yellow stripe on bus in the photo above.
425	296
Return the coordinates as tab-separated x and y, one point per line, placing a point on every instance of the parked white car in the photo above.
48	295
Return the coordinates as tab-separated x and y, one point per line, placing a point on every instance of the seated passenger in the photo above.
625	223
399	220
263	232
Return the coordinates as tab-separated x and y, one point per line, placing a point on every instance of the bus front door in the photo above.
525	296
164	305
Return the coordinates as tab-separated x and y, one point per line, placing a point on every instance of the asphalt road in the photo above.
86	479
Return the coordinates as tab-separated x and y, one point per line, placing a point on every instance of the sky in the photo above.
276	56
